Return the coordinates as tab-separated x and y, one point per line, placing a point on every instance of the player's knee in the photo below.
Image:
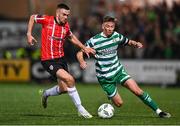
118	103
70	82
63	90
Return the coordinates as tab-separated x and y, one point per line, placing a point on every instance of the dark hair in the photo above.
109	18
62	6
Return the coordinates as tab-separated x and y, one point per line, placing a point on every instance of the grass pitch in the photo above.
20	104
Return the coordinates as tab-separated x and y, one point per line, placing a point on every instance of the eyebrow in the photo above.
66	14
108	25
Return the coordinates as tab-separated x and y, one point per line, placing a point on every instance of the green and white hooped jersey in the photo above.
107	62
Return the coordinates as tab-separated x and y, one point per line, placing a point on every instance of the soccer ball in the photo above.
106	110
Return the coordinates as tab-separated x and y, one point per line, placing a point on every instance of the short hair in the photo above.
109	18
63	6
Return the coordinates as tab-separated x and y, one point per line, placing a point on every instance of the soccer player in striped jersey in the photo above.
55	29
109	70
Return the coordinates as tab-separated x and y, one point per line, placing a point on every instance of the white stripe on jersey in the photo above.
121	38
52	40
35	18
108	62
61	40
108	74
124	78
106	56
93	41
107	68
113	94
126	42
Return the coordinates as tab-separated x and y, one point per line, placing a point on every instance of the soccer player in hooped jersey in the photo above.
109	71
55	29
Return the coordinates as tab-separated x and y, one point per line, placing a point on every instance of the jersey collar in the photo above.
103	35
58	23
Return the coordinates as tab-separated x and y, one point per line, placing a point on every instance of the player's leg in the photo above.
117	100
51	67
111	90
62	86
58	89
72	91
145	97
54	91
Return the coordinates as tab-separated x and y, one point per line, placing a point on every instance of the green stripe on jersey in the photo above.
106	65
109	75
106	39
106	58
107	70
109	45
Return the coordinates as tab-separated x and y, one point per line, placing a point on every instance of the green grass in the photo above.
20	104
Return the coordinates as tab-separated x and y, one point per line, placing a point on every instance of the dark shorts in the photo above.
52	66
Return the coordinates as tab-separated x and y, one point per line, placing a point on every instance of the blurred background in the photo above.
155	23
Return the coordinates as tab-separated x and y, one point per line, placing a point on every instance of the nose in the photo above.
110	30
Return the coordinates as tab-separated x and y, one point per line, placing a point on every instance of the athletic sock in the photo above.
75	98
148	101
158	111
53	91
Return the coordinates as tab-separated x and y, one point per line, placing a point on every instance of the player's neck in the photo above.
58	21
106	35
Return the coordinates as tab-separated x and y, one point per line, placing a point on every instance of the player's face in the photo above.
62	15
108	28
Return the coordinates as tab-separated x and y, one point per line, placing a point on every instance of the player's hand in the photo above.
83	65
31	40
88	51
138	45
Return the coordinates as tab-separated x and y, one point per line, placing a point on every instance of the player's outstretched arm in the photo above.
86	50
30	38
135	44
81	60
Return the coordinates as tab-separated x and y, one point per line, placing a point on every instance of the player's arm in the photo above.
81	60
30	38
86	50
135	44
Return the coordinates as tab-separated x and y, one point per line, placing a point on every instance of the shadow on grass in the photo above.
48	115
135	116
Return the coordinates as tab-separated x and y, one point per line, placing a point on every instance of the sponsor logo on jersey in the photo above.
51	67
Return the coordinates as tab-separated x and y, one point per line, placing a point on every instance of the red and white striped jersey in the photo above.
53	36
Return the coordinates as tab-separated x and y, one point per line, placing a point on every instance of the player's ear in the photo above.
57	11
102	26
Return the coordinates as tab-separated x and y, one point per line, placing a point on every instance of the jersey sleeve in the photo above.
123	40
89	43
41	19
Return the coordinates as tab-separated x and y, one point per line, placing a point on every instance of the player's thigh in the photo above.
65	77
133	87
52	66
109	88
122	76
117	100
